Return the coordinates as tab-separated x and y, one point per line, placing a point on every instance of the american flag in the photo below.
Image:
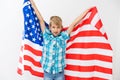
88	53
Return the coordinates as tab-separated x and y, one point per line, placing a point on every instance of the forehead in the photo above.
53	24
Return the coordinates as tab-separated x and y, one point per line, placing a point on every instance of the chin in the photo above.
55	34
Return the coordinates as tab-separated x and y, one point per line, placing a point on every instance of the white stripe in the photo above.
102	30
31	77
88	74
21	54
20	66
83	28
36	58
89	63
95	19
26	3
87	39
90	51
33	45
87	16
35	68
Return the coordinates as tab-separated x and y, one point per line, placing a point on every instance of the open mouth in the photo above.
55	33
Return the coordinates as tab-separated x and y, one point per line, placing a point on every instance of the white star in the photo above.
27	15
26	23
31	34
33	39
34	12
33	26
28	28
39	38
37	24
38	29
26	35
35	31
36	18
30	20
29	7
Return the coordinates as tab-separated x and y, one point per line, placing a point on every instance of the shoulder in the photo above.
46	31
46	34
65	35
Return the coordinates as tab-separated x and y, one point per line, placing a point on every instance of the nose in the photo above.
56	30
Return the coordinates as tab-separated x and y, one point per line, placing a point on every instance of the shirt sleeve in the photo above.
65	35
46	31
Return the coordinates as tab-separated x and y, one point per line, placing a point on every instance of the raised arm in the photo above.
76	21
42	24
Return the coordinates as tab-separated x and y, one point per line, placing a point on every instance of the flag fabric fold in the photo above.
88	53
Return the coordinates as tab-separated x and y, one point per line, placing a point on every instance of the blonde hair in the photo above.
56	20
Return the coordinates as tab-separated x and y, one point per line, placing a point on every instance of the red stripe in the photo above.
33	72
90	45
29	58
89	57
20	59
32	50
84	22
76	68
99	24
88	68
105	35
93	12
19	71
81	78
89	33
21	48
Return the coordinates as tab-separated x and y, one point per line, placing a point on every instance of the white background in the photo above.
11	25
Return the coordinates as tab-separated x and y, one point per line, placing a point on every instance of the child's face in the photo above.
55	30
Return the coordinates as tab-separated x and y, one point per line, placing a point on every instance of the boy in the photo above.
53	54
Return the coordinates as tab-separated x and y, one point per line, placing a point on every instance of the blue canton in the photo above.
32	30
53	56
